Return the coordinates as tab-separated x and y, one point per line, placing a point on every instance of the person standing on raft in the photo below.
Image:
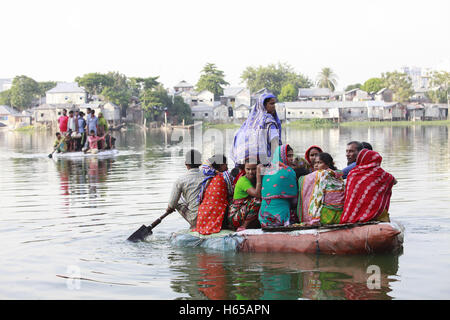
260	134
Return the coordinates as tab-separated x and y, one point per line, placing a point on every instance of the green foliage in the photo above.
23	90
353	86
373	85
155	101
400	84
440	83
327	79
5	97
45	86
312	123
274	78
94	83
117	91
288	93
180	110
211	79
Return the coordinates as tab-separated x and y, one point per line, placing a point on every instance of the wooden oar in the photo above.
144	231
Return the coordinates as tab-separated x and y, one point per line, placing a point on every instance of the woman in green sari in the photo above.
321	193
102	129
279	189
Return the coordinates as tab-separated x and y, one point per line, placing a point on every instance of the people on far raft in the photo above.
368	190
243	213
92	122
186	189
72	126
60	145
91	145
321	193
81	131
102	129
62	122
279	189
215	193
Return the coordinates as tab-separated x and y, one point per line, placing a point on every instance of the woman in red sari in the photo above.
214	196
368	190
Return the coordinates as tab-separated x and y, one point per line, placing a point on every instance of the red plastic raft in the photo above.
340	239
347	239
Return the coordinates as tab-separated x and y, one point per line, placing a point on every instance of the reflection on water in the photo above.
65	213
83	177
255	276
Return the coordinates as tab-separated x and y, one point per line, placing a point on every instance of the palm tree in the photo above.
327	79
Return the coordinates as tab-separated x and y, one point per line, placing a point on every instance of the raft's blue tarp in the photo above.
225	240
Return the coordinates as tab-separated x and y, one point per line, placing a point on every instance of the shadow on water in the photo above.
255	276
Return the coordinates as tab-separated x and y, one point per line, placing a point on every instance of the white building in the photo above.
356	95
236	96
203	112
183	86
241	112
341	110
66	93
314	94
203	97
5	84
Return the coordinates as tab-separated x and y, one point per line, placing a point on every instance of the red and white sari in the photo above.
368	190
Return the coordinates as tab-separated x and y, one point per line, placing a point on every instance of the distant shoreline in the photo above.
329	124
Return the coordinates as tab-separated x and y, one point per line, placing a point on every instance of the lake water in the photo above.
64	224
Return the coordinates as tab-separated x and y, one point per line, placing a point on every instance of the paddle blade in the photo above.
140	234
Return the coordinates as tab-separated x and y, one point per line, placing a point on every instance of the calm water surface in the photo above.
68	219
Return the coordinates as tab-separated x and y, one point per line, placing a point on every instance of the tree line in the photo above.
281	79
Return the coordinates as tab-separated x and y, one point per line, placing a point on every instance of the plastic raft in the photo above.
381	237
81	154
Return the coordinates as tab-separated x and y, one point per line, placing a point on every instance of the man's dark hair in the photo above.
193	158
300	171
366	145
58	134
71	111
217	160
358	145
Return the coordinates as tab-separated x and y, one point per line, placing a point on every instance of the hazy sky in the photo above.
59	40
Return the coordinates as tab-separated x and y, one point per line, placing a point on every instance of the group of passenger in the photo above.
79	134
271	187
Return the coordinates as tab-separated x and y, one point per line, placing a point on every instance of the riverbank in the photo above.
31	128
208	125
322	123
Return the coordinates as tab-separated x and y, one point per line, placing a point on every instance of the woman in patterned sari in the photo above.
321	193
215	192
279	188
368	190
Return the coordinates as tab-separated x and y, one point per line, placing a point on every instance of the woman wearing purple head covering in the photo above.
260	134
